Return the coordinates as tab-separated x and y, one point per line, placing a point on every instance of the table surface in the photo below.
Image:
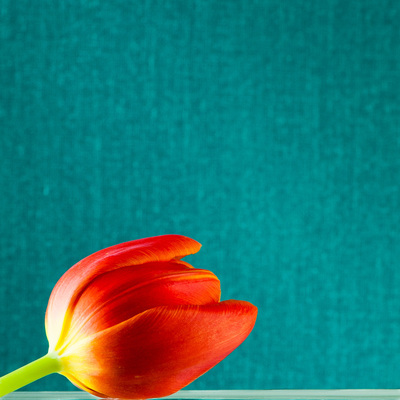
377	394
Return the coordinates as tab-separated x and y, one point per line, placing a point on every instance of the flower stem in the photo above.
31	372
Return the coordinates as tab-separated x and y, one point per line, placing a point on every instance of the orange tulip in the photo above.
134	321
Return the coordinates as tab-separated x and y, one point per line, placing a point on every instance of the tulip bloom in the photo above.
134	321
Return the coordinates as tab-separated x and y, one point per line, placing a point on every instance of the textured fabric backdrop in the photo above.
267	130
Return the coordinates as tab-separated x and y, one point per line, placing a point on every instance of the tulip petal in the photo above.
159	351
137	252
119	295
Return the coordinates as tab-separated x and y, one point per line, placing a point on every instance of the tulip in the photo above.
135	321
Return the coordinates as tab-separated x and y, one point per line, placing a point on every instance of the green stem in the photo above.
43	366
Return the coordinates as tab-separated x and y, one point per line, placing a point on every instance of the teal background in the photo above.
267	130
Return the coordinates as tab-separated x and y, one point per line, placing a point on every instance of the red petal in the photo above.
137	252
119	295
159	351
